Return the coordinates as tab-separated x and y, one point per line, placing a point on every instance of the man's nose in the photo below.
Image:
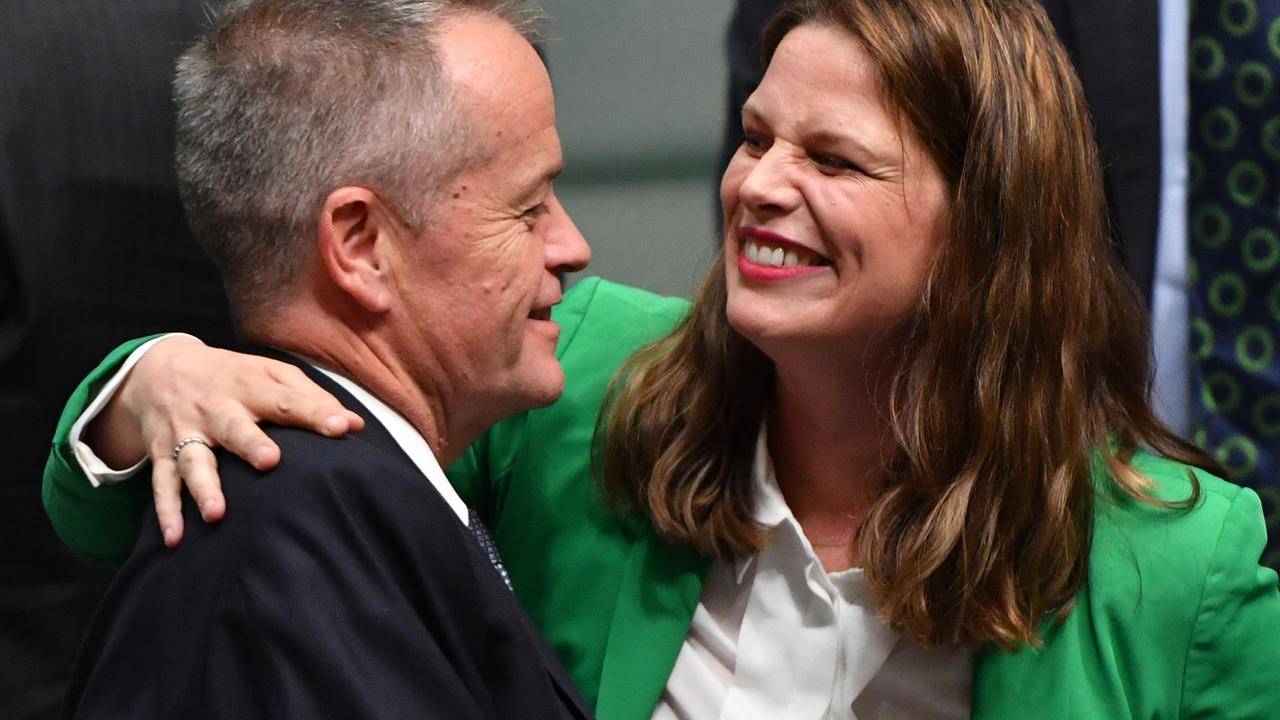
566	250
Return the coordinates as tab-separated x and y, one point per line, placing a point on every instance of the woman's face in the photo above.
833	209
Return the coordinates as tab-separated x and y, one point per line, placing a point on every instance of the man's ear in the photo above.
355	244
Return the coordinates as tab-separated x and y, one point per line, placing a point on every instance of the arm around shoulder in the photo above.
99	522
1233	661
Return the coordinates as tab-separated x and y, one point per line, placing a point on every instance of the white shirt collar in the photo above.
773	515
771	507
409	440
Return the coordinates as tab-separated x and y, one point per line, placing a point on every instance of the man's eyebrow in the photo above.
536	185
546	178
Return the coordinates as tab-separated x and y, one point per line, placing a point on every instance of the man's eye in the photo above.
532	214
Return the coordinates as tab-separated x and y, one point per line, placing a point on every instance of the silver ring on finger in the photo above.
189	440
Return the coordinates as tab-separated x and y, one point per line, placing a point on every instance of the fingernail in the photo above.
334	425
205	507
170	536
259	457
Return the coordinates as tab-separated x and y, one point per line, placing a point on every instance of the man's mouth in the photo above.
540	314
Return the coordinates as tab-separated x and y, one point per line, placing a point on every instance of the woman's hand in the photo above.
182	388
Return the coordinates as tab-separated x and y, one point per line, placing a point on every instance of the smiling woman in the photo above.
828	173
900	438
921	297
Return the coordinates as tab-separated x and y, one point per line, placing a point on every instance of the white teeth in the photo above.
776	256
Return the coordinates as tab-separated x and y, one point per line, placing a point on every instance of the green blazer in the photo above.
1175	620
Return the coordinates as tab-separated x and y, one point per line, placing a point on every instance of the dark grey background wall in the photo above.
640	88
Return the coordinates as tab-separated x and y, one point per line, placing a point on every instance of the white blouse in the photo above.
775	636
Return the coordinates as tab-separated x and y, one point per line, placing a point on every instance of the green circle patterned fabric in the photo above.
1233	208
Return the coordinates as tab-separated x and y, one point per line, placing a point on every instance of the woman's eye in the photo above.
831	163
755	143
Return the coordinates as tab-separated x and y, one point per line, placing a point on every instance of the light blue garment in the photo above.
1169	324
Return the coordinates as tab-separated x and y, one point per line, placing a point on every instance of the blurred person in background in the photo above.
93	246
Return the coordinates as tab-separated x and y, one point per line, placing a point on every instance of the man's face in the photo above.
480	279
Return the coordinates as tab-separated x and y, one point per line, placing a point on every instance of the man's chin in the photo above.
542	384
549	390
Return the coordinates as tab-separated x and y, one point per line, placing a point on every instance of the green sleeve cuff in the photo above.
99	522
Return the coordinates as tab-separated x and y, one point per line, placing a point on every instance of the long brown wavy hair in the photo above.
1025	370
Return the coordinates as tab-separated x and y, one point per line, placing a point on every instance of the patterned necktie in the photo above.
485	540
1233	206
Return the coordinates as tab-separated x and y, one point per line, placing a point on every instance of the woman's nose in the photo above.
769	183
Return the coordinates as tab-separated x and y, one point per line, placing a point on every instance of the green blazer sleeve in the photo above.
1176	619
103	522
1233	662
99	522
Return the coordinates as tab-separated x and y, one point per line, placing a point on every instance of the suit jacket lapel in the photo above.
559	677
658	594
377	436
374	433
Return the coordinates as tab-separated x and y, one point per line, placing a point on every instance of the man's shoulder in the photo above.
346	481
305	457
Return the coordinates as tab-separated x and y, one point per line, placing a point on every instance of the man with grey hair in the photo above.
374	180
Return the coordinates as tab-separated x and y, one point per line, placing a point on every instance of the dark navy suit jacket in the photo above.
339	585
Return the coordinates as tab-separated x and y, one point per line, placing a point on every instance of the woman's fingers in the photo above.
243	438
299	402
237	430
184	389
166	489
198	468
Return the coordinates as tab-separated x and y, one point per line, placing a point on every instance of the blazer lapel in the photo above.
373	433
1067	677
658	594
1000	683
376	435
559	677
1017	685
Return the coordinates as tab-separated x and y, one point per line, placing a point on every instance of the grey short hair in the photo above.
283	101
